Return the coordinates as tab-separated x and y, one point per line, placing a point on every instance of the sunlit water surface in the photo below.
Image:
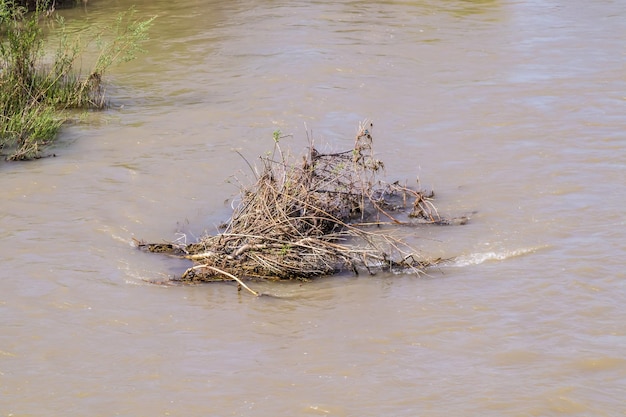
512	109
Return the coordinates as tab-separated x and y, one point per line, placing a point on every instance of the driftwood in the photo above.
314	216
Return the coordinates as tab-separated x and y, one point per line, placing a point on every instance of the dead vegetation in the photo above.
313	216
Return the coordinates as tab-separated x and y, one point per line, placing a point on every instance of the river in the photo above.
514	110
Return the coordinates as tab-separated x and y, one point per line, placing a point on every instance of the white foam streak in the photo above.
479	258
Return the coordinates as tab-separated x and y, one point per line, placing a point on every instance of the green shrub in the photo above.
35	94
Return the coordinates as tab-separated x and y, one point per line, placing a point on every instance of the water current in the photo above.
514	110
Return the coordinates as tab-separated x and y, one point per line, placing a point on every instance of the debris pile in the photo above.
314	216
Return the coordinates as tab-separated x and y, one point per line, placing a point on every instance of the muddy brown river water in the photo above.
513	109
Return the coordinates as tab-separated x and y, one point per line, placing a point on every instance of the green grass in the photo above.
35	92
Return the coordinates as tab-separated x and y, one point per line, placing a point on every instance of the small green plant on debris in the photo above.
311	216
36	91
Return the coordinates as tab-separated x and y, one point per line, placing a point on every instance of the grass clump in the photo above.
316	215
36	91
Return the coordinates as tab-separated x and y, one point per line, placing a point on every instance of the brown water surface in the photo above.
513	109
